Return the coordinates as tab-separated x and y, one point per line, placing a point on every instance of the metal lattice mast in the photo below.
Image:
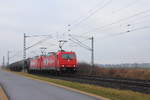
8	58
92	55
92	50
3	61
24	51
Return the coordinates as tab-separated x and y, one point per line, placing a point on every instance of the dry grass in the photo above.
134	73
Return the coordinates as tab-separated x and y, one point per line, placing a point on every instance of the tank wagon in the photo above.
17	66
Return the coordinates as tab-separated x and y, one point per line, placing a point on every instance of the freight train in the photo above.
59	62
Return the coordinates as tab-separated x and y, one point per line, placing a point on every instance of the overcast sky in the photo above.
104	19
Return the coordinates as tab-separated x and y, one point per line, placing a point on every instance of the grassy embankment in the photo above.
110	93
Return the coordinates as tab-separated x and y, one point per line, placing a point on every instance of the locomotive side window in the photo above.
49	54
68	56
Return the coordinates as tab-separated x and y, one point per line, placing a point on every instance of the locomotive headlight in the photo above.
63	65
74	65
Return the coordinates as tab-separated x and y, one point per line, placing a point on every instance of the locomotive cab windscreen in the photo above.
68	56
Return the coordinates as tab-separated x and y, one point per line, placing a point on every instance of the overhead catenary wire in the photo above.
39	42
139	22
78	36
92	12
126	6
130	4
38	35
79	41
75	45
80	44
123	25
81	17
36	52
125	32
120	20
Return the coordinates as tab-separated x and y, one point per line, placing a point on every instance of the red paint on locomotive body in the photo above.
59	61
67	59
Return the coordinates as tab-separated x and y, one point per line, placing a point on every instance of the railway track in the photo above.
117	83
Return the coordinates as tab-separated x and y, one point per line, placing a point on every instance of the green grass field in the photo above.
110	93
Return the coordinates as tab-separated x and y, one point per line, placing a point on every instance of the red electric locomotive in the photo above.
60	61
